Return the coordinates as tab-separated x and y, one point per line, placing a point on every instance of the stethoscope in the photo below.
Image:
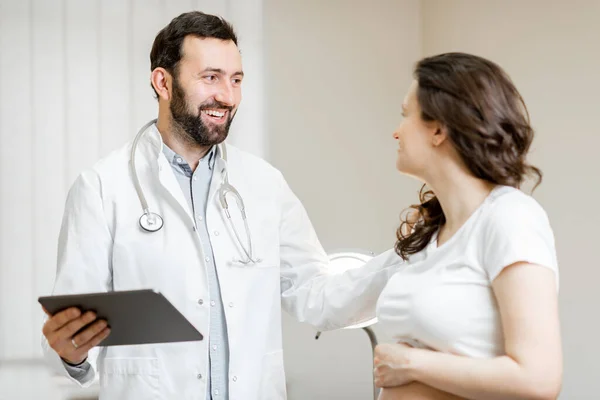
153	222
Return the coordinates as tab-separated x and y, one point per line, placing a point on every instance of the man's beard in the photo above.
191	125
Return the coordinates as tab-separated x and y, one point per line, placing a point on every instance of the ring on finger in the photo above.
74	344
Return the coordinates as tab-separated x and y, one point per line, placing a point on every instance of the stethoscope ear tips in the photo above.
151	222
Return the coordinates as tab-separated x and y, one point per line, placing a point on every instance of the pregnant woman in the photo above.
474	307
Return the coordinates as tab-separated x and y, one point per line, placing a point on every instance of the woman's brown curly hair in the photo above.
488	124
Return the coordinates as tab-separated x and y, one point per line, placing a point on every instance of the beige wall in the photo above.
552	51
336	74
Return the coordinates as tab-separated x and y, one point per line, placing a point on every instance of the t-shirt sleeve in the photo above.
518	230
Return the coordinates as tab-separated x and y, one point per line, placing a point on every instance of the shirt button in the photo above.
215	347
212	303
207	259
235	378
200	217
199	376
231	305
217	233
216	392
195	178
179	160
200	301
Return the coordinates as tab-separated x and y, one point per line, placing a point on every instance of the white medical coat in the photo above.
103	248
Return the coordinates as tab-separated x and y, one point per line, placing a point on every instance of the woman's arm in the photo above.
532	367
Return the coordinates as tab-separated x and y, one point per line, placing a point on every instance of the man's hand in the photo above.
60	330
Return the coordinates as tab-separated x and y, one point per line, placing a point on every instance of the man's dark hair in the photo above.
167	47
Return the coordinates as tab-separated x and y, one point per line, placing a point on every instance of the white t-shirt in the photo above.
442	298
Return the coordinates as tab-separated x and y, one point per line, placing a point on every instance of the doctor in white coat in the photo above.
232	290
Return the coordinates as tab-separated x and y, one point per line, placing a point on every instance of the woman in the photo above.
474	309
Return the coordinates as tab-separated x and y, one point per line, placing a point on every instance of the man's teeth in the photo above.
214	113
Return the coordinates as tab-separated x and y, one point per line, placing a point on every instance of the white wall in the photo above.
74	84
551	49
337	72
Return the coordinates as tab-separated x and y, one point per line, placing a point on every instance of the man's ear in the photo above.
161	82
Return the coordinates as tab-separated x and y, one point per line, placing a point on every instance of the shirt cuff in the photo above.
77	371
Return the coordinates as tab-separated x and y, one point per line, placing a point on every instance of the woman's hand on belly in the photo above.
415	391
396	382
390	365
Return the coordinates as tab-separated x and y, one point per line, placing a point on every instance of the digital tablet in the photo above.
134	316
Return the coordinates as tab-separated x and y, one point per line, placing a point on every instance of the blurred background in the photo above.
325	81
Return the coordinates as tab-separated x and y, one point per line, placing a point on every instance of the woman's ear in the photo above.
440	134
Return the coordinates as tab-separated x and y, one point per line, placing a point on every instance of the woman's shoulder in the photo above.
508	203
516	229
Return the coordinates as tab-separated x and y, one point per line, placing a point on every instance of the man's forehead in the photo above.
211	52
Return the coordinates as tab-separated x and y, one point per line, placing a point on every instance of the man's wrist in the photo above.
71	364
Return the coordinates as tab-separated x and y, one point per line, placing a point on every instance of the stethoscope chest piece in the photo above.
151	222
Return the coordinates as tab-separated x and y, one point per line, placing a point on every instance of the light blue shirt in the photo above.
195	186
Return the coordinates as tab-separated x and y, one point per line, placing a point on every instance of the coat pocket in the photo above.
130	378
272	382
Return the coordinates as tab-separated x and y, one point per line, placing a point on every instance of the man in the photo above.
230	288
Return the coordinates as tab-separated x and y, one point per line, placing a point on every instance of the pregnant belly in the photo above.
415	391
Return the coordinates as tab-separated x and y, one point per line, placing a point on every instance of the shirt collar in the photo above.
176	160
